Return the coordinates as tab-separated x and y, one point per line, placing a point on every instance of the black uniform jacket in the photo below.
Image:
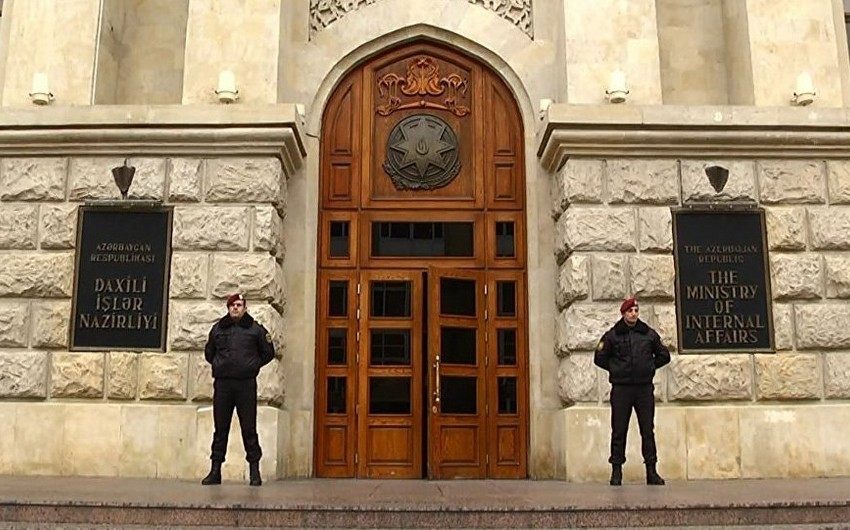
631	354
237	349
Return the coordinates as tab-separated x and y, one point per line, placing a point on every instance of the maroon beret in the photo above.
627	304
234	297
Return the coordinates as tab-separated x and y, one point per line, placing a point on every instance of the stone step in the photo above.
94	516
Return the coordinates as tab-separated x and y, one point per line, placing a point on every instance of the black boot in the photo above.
652	476
254	474
214	476
616	475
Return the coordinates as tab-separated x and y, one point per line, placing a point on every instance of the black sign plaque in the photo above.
121	280
723	302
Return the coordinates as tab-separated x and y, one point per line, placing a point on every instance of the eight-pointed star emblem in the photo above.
422	153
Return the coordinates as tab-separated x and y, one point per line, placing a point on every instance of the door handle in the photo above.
435	407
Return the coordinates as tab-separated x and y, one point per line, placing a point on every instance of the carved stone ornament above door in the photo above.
422	153
419	86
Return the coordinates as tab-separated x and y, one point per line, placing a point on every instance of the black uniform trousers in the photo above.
240	394
624	398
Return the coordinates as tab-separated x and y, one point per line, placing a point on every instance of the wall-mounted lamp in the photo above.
804	93
40	94
617	90
226	90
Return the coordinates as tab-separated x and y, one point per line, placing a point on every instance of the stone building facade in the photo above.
710	83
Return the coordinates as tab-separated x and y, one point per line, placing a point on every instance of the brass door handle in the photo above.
436	383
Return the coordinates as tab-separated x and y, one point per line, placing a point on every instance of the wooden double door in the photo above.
421	347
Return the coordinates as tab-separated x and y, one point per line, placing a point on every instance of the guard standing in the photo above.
630	352
238	346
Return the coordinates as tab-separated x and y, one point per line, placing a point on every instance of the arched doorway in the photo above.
422	339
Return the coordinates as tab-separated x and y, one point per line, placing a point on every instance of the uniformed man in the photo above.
238	346
630	352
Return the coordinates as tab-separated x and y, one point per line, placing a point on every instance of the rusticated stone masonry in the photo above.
614	238
228	216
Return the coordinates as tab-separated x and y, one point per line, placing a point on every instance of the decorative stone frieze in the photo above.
837	276
268	227
323	13
58	226
830	228
257	276
822	326
189	274
796	276
786	228
218	228
163	376
638	181
202	381
577	379
595	229
189	323
185	179
91	178
14	324
580	326
655	226
271	383
244	180
783	327
838	180
787	376
791	181
33	179
50	323
837	375
18	226
23	374
740	185
573	280
653	277
609	277
709	377
123	375
76	375
36	275
579	181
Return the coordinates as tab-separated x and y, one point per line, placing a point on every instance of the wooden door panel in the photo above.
390	419
457	421
426	82
342	148
507	374
504	149
336	350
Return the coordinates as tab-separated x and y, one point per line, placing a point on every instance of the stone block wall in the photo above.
228	214
614	238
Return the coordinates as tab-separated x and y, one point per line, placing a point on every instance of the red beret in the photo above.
234	297
627	304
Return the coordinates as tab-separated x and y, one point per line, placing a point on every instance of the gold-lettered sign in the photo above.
723	301
121	278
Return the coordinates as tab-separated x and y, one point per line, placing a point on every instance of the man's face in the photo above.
236	309
631	315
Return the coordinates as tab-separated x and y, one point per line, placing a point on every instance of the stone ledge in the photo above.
709	131
163	130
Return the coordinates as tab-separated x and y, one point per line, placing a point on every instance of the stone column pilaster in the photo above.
770	42
606	35
242	36
56	37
